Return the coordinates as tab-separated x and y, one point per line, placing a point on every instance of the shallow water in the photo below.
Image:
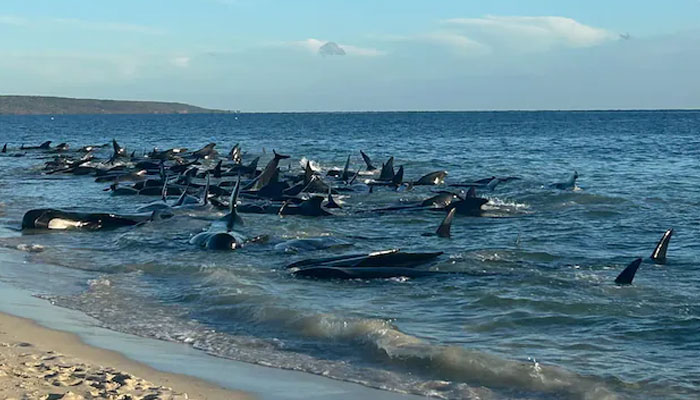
532	313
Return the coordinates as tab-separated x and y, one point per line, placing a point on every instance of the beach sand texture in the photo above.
39	363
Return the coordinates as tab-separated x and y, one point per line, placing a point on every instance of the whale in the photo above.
268	173
53	219
229	239
569	184
206	152
377	265
659	253
44	146
433	178
308	208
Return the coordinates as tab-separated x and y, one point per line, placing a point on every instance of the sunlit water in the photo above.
532	312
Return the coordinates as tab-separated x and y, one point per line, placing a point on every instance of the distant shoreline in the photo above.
50	105
47	105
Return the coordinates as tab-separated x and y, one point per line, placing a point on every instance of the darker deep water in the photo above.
533	313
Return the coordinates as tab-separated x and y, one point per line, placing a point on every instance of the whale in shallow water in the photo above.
659	253
228	239
267	175
308	208
53	219
433	178
383	264
44	146
569	184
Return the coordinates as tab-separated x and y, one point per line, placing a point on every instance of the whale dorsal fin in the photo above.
659	253
345	177
254	164
331	202
387	173
398	177
627	275
444	229
233	218
205	198
308	173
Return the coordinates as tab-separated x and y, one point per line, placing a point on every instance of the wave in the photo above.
400	361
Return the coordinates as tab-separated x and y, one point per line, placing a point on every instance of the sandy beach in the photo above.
40	363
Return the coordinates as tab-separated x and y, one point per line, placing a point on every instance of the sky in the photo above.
359	55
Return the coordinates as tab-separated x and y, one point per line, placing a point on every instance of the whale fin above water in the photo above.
235	154
308	173
659	253
232	217
331	202
4	148
118	150
627	275
444	229
568	185
205	197
470	193
397	179
368	161
346	176
387	173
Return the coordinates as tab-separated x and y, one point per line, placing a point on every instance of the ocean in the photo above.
530	310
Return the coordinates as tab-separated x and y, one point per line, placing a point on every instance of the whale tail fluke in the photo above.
627	275
368	161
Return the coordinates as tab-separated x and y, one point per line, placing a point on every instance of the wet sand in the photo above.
40	363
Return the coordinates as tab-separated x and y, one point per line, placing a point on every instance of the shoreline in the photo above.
39	361
163	362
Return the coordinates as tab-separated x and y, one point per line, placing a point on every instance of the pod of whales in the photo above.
205	182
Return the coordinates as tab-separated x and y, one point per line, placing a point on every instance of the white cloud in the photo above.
314	46
457	41
80	24
181	61
12	20
106	26
530	33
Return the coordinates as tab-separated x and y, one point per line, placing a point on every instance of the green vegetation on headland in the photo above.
44	105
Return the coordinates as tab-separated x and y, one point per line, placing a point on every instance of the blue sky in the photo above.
264	55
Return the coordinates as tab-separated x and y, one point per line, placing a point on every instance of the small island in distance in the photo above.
46	105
